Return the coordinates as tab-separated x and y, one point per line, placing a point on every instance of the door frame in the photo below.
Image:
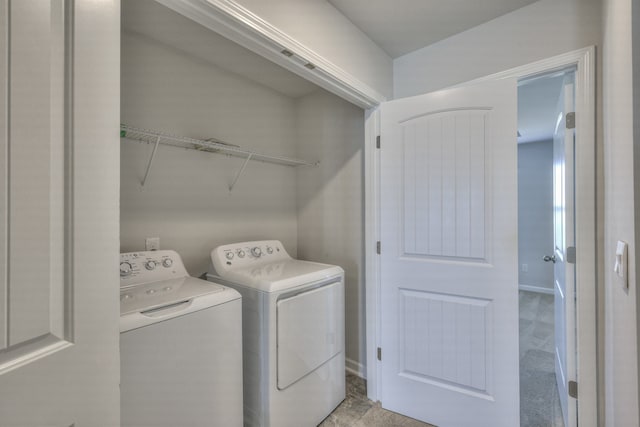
585	221
237	23
240	25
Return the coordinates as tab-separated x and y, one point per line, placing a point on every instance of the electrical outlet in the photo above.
525	268
152	243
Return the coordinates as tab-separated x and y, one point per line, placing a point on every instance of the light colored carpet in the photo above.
539	401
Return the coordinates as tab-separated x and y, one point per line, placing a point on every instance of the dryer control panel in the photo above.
246	254
150	266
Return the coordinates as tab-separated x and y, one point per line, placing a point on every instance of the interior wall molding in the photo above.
355	368
238	24
584	60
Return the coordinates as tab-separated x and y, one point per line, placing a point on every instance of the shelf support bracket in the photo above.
244	165
153	155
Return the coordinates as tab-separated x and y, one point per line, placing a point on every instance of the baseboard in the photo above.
355	368
538	289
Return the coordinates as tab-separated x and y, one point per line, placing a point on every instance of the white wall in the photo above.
322	28
535	215
330	202
540	30
621	372
186	201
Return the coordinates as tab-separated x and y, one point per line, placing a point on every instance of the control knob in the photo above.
229	255
241	253
150	265
167	262
256	252
269	250
125	269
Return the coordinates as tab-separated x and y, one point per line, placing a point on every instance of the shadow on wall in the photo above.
330	200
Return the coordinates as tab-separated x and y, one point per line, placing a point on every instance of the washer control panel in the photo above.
245	254
150	266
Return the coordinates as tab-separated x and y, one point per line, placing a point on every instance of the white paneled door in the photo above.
59	172
449	284
563	250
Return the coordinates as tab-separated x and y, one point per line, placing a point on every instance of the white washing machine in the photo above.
180	345
293	332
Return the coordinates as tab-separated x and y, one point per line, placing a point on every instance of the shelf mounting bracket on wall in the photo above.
153	155
244	165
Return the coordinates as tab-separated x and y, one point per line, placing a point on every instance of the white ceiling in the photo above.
402	26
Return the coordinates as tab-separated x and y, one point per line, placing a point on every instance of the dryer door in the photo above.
310	331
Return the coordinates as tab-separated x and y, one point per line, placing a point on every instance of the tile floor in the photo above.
539	403
358	411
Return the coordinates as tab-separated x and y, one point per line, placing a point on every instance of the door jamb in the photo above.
585	221
229	18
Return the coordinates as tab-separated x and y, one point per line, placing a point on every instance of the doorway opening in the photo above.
586	369
545	230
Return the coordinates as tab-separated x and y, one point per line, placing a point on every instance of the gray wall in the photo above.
186	201
535	215
330	202
538	31
621	311
316	212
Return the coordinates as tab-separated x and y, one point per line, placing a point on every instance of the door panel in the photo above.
58	248
563	235
449	256
444	341
440	177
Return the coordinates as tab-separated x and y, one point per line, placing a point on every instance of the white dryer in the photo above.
293	332
180	345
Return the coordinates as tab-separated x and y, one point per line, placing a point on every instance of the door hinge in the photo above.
573	389
571	254
570	120
378	247
379	353
378	141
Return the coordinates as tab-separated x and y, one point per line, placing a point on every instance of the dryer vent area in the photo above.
184	81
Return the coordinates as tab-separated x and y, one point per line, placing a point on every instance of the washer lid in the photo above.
154	295
276	276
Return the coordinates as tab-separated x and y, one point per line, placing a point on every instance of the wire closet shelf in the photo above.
207	146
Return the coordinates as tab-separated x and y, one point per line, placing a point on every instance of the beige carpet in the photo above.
539	401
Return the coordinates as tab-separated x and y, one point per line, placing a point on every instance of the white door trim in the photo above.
586	267
240	25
